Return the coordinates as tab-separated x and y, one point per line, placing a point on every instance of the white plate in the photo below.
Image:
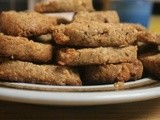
36	94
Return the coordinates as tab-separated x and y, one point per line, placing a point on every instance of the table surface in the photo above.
144	110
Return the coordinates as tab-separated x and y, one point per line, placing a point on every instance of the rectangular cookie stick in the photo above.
21	48
95	34
98	16
149	37
151	63
26	24
18	71
96	56
48	6
109	73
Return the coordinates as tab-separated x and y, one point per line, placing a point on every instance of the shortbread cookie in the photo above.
18	71
23	49
95	34
110	73
25	24
96	56
149	37
99	16
151	63
64	6
137	26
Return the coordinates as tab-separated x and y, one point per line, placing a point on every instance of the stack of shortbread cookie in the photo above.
95	48
30	61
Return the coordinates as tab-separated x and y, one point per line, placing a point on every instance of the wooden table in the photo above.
144	110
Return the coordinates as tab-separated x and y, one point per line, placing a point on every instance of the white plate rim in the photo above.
78	98
93	88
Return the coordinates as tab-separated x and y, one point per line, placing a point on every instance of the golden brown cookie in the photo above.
23	49
110	73
149	37
18	71
137	26
151	63
98	16
25	24
64	6
95	34
96	56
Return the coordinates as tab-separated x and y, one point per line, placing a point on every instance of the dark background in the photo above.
13	5
22	5
156	6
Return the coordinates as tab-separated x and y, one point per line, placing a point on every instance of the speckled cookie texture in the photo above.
18	71
99	16
25	24
149	37
96	56
64	6
24	49
151	63
95	34
110	73
40	48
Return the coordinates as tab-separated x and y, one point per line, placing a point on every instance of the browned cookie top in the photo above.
18	71
64	6
95	34
99	16
96	56
23	49
151	63
102	74
25	23
149	37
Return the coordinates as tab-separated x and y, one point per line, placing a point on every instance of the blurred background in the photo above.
28	4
